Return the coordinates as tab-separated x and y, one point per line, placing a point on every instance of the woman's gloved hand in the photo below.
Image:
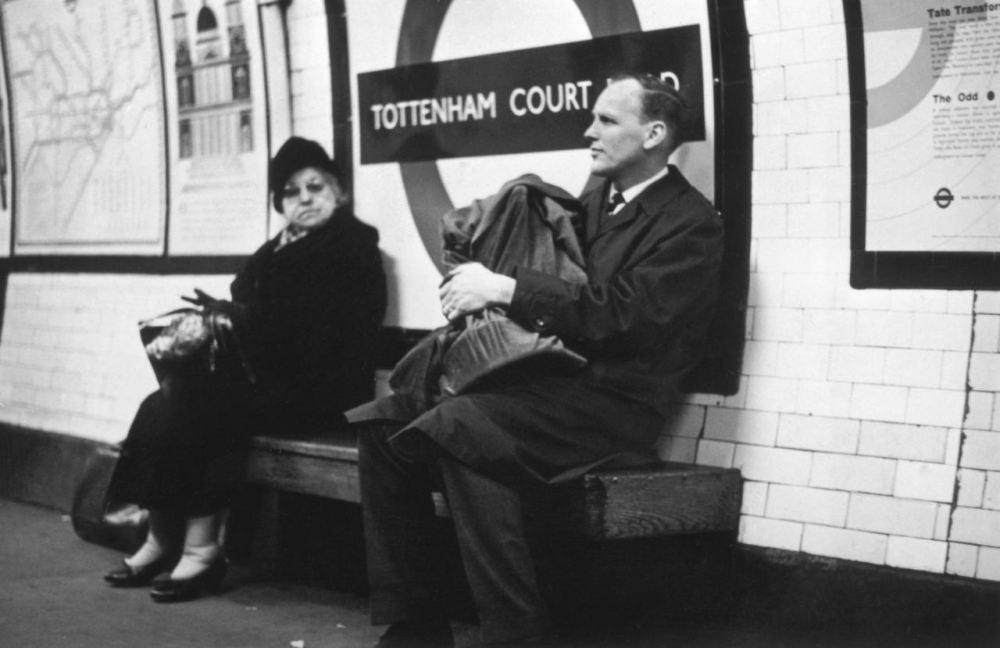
210	303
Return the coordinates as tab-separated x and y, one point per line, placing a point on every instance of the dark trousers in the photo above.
397	479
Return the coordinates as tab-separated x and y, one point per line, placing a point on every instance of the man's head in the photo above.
635	129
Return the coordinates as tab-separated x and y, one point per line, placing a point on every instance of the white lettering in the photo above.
390	116
454	108
470	108
487	103
584	86
376	111
571	97
513	97
441	110
553	105
536	107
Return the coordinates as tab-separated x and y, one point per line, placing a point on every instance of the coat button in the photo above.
541	322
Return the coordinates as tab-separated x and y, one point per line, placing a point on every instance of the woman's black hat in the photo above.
294	155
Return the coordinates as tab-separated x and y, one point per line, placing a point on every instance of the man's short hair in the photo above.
660	101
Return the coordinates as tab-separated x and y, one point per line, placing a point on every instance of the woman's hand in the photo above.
201	298
470	287
208	302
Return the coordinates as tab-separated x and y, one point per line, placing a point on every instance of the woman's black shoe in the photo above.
126	576
175	591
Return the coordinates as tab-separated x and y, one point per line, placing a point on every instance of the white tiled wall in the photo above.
70	356
866	426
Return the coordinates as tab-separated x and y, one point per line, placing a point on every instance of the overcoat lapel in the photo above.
650	201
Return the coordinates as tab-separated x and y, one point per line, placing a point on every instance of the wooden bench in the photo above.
610	503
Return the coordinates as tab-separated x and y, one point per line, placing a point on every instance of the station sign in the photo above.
530	100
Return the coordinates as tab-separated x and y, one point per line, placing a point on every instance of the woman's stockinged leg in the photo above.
201	545
157	554
162	539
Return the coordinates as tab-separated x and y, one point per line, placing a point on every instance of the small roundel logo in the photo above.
943	197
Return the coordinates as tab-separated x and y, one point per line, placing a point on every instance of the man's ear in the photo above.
656	135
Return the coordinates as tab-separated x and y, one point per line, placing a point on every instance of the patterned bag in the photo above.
186	340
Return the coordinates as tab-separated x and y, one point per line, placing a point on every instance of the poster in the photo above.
216	111
86	101
933	126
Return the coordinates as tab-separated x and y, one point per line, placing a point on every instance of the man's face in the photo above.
617	133
309	198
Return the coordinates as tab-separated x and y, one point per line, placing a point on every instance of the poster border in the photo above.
7	118
880	269
162	262
90	247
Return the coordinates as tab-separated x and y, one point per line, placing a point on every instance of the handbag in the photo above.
186	340
98	518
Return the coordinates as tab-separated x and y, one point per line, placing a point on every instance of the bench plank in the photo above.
638	502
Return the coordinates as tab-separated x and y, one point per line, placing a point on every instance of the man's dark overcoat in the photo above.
640	320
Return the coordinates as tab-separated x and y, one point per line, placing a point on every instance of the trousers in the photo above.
489	517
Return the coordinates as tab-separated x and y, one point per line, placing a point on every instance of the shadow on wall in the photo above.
392	283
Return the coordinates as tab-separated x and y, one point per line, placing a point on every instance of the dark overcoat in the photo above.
306	318
640	320
310	316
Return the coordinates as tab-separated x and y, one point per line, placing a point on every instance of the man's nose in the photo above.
591	132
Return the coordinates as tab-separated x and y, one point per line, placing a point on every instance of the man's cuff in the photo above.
537	299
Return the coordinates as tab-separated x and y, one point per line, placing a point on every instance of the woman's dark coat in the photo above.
309	319
306	319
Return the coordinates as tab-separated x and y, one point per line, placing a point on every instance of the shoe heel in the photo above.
217	576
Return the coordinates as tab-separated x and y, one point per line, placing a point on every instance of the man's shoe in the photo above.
414	634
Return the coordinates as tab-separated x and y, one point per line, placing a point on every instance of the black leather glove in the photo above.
210	303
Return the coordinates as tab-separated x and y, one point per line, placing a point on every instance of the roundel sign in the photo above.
523	101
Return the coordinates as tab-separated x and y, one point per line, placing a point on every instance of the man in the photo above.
653	246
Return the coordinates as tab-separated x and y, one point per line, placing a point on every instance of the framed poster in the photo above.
89	142
926	131
217	116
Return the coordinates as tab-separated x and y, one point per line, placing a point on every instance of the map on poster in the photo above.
86	97
933	89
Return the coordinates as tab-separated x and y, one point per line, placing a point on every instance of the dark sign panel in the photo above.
530	100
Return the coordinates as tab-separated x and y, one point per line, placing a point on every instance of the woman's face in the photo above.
310	197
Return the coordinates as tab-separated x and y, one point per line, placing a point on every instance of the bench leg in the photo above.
266	545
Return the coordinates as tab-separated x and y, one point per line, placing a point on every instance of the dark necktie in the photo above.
615	202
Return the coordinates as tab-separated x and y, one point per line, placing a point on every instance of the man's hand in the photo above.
471	287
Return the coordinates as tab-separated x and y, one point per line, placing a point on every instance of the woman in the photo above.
305	310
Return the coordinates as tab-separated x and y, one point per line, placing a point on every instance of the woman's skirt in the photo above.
186	448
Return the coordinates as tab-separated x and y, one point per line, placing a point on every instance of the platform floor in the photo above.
52	596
